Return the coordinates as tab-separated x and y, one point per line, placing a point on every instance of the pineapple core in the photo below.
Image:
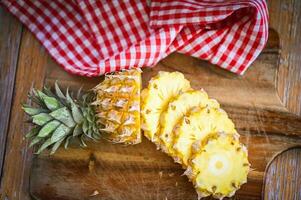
220	167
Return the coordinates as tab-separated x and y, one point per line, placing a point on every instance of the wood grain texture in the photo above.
30	72
290	176
141	172
10	37
135	172
285	19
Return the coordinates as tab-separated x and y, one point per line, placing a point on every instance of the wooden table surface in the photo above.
24	63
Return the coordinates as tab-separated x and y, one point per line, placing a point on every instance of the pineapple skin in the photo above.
118	106
219	166
155	98
196	126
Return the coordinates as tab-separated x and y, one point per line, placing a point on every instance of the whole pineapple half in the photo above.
176	109
112	111
58	118
117	106
219	166
155	98
196	126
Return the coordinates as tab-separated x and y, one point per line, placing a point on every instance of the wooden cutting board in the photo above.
141	172
111	171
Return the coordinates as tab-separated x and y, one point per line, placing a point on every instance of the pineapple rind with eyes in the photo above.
155	98
176	109
219	166
118	106
196	126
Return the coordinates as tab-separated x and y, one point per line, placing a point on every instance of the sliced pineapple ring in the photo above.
196	126
220	167
175	111
155	98
118	106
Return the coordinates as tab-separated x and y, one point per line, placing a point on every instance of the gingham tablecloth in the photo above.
91	37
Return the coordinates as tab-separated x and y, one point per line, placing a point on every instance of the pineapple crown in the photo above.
59	118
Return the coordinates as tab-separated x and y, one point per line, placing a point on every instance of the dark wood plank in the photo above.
283	176
30	72
10	37
285	19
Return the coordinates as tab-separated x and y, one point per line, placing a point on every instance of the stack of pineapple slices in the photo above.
196	132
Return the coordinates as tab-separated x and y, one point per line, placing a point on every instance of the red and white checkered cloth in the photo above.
90	37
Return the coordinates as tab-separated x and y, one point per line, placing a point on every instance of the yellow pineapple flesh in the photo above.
219	167
118	106
176	109
196	126
196	132
155	98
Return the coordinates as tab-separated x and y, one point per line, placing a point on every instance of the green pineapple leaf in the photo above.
79	92
85	126
48	92
33	111
33	132
46	144
41	119
77	130
57	145
35	141
60	132
33	95
76	113
63	115
58	91
82	142
48	128
51	102
96	136
89	117
67	142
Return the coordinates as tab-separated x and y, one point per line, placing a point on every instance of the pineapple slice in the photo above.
155	98
196	126
118	106
219	167
175	111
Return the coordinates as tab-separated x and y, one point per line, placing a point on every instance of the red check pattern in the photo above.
91	37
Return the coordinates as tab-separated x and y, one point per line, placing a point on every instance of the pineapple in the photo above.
219	166
112	111
155	98
196	126
118	106
185	123
176	109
